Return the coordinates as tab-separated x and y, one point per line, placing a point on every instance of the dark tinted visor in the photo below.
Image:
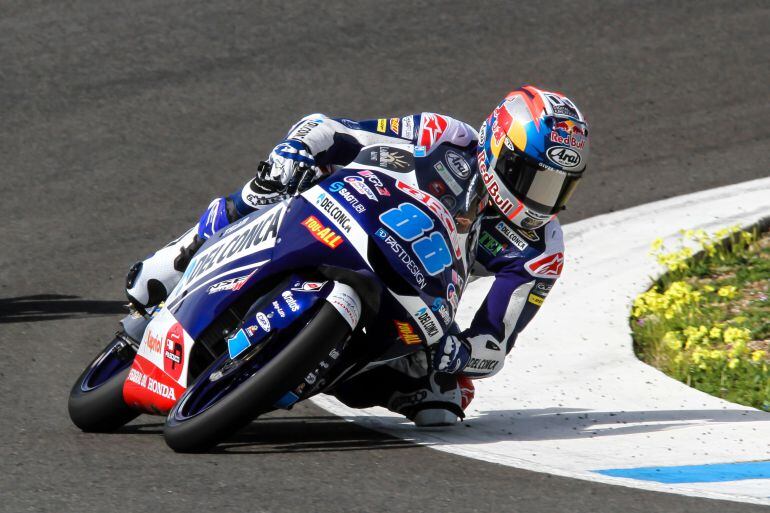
541	188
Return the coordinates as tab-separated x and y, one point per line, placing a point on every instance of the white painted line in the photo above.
573	398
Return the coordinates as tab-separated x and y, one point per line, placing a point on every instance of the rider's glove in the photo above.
286	163
451	354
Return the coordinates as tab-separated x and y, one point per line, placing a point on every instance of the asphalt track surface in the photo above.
119	121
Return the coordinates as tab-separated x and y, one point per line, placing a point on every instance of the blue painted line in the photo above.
695	473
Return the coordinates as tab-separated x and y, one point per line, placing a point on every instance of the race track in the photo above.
121	120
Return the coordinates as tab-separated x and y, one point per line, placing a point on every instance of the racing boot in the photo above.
439	401
406	386
150	281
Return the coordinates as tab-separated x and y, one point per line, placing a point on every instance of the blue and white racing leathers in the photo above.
525	263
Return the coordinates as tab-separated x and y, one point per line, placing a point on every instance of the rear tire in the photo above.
260	392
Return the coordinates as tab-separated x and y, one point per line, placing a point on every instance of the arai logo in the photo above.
457	164
564	156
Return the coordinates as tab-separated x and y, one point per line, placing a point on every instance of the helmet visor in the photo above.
541	188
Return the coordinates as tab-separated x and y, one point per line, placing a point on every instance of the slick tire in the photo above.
102	409
262	390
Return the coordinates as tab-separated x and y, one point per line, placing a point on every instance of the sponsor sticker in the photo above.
373	179
457	164
563	156
406	333
232	284
535	299
173	355
394	125
390	158
439	306
359	184
309	286
411	265
478	364
340	189
151	384
382	124
448	178
427	321
154	342
345	300
489	243
321	232
542	288
288	298
528	234
433	126
548	266
303	130
437	188
334	212
507	232
505	205
407	127
263	321
277	309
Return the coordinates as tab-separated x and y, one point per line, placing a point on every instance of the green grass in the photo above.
707	321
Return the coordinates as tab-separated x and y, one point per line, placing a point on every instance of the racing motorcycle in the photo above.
364	267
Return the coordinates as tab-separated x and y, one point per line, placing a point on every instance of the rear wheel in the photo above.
96	399
222	401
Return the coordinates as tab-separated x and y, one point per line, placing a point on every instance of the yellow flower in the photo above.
757	355
733	363
672	341
715	333
656	245
736	336
728	291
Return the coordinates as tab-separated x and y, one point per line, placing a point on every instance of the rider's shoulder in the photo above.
434	129
548	259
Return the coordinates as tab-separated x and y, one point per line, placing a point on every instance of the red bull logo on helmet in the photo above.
569	133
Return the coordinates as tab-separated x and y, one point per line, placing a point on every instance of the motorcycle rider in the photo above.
531	152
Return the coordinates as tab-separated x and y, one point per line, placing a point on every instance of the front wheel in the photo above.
96	400
213	407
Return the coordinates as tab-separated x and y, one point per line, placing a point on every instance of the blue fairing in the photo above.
371	217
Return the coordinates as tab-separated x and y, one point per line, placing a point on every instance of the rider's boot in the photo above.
150	281
406	386
440	400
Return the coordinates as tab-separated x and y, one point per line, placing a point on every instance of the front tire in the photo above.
96	400
258	393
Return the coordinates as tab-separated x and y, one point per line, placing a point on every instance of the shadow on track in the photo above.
286	435
564	423
51	307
